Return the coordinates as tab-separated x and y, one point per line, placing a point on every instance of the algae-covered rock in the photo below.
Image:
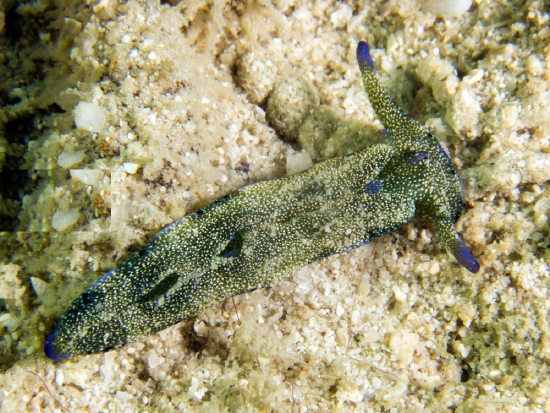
323	135
288	105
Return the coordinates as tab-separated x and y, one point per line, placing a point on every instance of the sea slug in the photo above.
263	232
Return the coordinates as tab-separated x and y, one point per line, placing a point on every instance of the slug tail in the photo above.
50	348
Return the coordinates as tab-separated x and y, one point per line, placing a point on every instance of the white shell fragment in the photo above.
62	220
89	117
68	159
298	162
87	176
43	290
130	167
446	8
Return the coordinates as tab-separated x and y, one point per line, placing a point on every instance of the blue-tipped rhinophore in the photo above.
363	55
465	258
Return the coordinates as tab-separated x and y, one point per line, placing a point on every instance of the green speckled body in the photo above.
263	232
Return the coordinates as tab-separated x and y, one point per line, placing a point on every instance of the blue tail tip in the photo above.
466	259
50	351
363	55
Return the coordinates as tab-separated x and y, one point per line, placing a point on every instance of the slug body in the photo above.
263	232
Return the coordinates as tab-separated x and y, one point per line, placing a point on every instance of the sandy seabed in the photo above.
192	100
